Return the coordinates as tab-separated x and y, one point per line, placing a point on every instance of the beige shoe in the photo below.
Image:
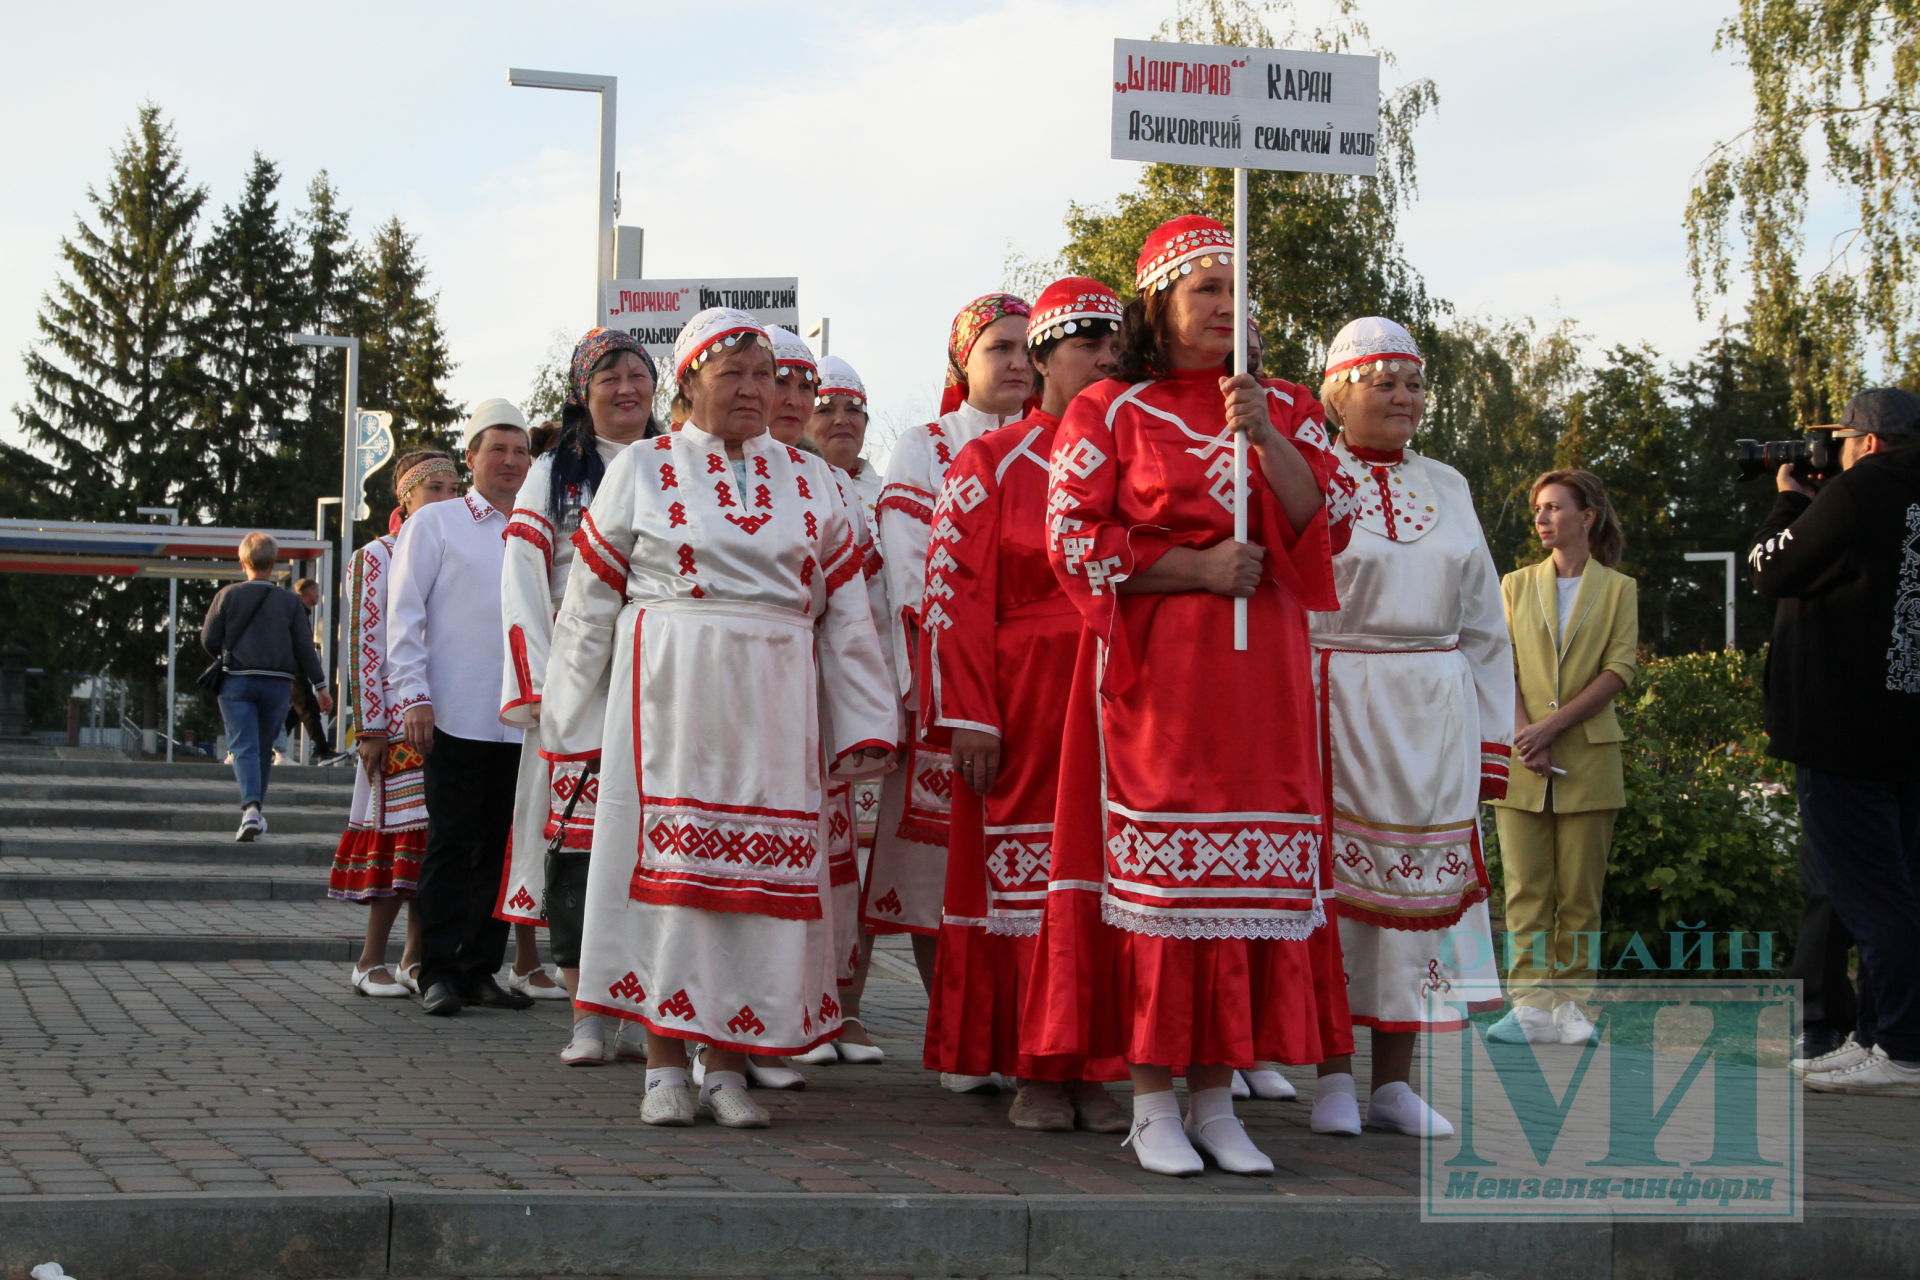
1094	1109
733	1107
1041	1105
668	1104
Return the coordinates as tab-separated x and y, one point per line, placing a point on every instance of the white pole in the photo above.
1240	366
609	197
1726	558
173	627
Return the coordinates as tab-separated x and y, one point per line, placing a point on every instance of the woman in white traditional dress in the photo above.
1416	675
719	578
609	405
378	859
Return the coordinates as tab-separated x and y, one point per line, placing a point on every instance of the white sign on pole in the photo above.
1241	109
1225	108
655	311
372	447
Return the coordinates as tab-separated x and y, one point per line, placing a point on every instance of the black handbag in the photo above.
215	675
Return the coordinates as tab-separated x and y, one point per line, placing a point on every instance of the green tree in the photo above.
1835	86
252	422
1322	248
115	384
332	283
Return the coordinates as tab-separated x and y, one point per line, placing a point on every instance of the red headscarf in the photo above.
967	328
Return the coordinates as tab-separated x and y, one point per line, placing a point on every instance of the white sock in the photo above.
676	1076
1207	1104
1152	1106
716	1080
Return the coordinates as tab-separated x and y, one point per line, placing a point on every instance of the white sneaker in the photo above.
1404	1111
1161	1145
1575	1027
253	825
732	1107
1225	1139
953	1083
1266	1082
1525	1024
1877	1075
588	1047
668	1103
1846	1054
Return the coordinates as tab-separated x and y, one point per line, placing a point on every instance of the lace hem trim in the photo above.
1262	928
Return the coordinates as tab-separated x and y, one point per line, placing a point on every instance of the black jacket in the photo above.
1843	678
265	631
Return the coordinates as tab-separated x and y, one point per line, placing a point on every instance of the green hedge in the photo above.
1709	836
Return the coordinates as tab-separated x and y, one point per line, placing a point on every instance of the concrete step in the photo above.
217	792
138	881
150	813
223	928
186	770
119	844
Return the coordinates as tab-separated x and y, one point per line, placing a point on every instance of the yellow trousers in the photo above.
1556	866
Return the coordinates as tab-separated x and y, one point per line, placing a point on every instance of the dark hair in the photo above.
541	436
1606	540
1044	350
577	465
1143	347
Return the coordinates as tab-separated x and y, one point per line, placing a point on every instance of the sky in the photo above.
892	156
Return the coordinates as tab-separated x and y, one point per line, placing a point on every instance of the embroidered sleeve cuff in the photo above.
405	705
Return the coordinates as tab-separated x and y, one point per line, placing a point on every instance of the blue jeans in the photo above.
1865	840
253	708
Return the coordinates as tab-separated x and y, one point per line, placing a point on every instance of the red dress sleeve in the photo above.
960	603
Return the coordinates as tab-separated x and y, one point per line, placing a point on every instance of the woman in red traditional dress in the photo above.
1186	920
378	858
999	638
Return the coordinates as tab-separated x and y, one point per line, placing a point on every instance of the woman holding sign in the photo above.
1185	927
1417	677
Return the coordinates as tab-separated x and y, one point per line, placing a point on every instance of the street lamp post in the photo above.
173	623
349	473
605	86
1726	558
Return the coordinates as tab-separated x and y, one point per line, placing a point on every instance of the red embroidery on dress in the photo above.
761	496
806	572
1380	475
752	524
663	443
669	479
1406	870
943	453
724	493
760	465
847	569
804	491
522	901
813	526
678	1005
829	1008
889	904
746	1022
628	988
690	838
715	464
806	1020
676	515
527	533
793	454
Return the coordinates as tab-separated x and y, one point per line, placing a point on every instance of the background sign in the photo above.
655	311
1204	104
372	448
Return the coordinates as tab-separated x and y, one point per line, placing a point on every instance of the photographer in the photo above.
1843	696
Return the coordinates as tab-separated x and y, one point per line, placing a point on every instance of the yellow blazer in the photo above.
1603	631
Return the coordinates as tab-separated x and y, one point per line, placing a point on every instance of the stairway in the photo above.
118	860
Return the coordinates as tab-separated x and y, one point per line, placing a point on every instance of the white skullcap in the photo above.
714	325
1368	341
493	413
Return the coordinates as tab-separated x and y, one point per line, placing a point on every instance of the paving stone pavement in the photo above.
252	1075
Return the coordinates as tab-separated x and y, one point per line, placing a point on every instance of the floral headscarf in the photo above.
591	349
967	328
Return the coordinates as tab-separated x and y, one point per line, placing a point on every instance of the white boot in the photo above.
1215	1130
1158	1140
1335	1108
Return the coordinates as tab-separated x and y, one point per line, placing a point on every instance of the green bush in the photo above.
1710	835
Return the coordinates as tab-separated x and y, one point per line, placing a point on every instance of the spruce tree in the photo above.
115	383
333	281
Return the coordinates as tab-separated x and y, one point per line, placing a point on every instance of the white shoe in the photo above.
1161	1145
1525	1024
668	1103
524	984
773	1077
631	1044
1241	1089
1575	1028
1846	1054
1225	1139
1404	1111
953	1083
1266	1082
1877	1075
731	1106
253	825
1335	1109
588	1047
409	976
363	983
857	1054
820	1055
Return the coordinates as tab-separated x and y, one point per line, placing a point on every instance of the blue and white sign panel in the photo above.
372	448
1204	104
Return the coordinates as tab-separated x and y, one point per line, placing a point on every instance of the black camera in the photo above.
1814	456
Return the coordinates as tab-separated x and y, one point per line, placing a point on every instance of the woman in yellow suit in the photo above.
1575	624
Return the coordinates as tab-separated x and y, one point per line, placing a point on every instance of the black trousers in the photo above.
469	789
1820	956
1865	841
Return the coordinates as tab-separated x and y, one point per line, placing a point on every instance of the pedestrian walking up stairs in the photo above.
121	860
